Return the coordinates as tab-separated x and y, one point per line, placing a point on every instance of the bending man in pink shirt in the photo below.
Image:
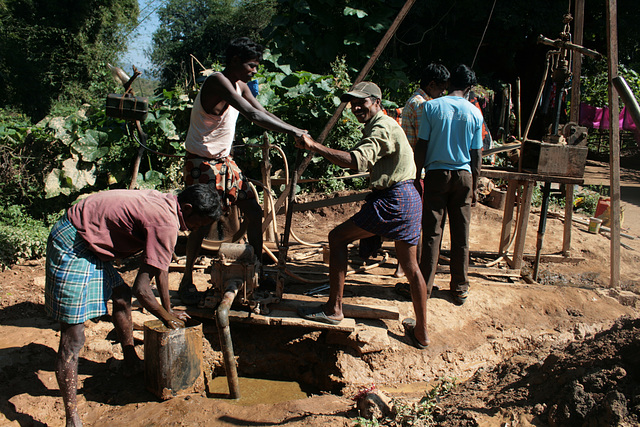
81	279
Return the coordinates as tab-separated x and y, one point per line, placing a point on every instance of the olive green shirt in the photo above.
385	152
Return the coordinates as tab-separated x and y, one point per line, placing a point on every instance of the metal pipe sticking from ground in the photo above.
224	331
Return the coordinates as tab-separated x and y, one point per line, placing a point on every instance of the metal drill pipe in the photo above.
224	332
628	98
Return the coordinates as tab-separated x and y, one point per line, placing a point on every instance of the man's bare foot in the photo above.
399	272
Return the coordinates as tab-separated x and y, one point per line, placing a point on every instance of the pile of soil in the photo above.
594	382
563	351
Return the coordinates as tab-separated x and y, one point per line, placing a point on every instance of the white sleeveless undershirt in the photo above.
210	135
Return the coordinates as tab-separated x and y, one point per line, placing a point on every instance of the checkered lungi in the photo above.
222	174
78	283
394	213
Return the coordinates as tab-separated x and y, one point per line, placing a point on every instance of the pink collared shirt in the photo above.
119	223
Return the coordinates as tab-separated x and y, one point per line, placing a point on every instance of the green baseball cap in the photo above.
362	90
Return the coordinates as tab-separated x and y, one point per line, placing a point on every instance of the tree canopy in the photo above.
499	39
58	49
203	28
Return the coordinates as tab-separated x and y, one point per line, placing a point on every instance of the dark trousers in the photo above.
446	193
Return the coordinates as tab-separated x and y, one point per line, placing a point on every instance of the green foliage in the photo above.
420	413
27	154
556	201
21	237
310	35
308	101
203	28
48	165
99	150
595	80
56	52
585	199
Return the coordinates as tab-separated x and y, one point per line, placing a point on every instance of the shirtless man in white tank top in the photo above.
222	98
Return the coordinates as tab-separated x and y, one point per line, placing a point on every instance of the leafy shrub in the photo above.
21	237
420	413
585	199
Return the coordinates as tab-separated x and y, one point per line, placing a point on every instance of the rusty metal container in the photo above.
173	359
553	159
127	107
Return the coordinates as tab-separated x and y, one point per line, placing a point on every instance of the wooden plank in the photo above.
554	258
521	226
174	266
506	174
316	204
501	149
349	310
507	218
275	318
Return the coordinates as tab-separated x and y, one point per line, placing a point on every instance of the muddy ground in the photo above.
562	351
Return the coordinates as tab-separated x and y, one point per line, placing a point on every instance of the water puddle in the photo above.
255	391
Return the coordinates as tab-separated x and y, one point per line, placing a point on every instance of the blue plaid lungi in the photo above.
78	283
394	213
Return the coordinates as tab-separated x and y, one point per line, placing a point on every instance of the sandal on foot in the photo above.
317	315
410	329
189	295
403	289
459	297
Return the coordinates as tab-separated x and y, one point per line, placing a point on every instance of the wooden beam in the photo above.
359	311
614	141
576	67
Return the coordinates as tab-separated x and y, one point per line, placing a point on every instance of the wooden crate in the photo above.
553	159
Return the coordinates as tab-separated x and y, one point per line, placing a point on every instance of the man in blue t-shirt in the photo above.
449	149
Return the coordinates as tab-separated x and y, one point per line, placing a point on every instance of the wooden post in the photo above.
568	215
518	110
265	167
521	226
507	218
614	141
576	68
574	116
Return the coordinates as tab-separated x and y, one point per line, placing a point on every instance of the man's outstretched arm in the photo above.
341	158
218	86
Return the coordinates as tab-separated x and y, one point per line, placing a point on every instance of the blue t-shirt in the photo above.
453	127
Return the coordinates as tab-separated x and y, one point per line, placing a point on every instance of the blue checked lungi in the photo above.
394	213
78	283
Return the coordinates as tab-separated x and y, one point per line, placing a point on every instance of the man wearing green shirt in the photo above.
392	210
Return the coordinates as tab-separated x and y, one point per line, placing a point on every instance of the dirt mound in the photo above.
594	382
